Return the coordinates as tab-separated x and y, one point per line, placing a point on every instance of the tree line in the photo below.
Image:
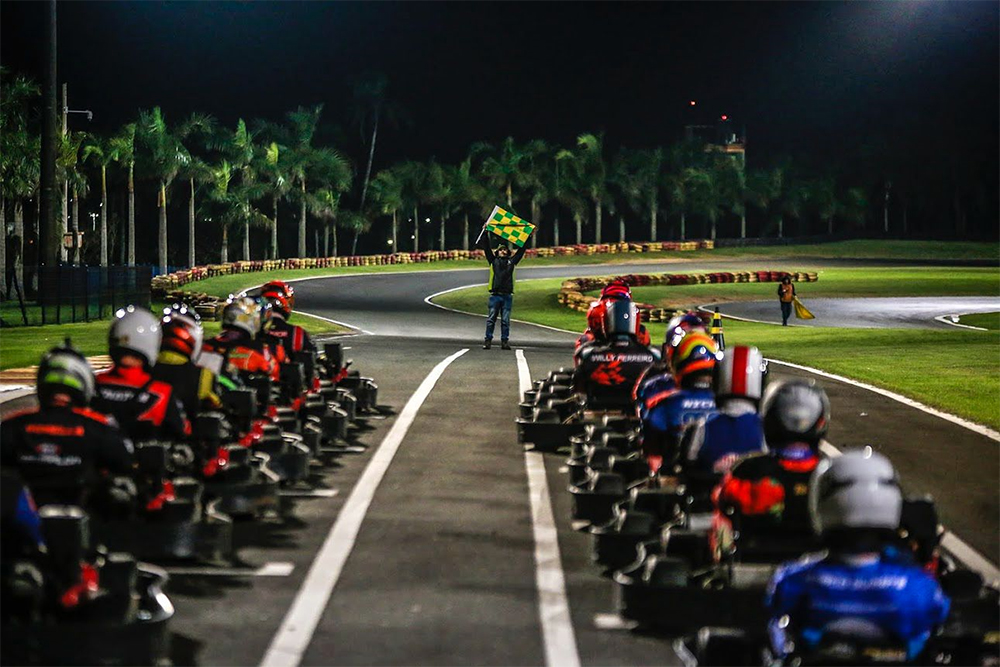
272	175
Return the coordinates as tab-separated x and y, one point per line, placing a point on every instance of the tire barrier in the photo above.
572	292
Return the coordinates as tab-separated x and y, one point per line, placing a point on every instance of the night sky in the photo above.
807	79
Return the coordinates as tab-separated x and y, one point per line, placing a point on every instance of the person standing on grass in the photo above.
786	296
501	288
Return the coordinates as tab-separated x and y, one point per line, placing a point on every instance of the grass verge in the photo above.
989	321
956	371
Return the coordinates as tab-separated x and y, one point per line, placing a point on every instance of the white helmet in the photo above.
242	312
740	374
856	490
135	331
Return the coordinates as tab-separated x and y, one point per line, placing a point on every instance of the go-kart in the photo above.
76	605
550	413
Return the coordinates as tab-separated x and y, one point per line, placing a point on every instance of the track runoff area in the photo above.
448	543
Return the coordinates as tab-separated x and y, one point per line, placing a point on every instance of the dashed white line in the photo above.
292	638
553	606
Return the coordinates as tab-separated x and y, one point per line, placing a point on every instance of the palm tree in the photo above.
275	178
569	185
468	196
413	177
102	151
357	223
232	203
370	105
312	166
198	128
594	174
67	164
788	195
19	163
387	193
240	150
438	192
325	204
501	165
823	197
166	157
123	146
639	175
537	176
732	188
703	195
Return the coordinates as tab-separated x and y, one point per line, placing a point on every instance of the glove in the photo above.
122	491
182	456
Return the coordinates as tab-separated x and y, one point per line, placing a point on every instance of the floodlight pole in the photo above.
49	236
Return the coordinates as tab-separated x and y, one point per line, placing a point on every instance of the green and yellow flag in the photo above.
509	227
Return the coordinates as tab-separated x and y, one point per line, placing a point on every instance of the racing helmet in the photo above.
266	315
677	328
279	303
182	332
282	287
696	353
856	490
241	313
740	373
135	331
617	289
621	318
793	412
595	318
63	370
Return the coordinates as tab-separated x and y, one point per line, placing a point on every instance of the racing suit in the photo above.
666	415
193	385
290	337
241	353
876	597
607	372
62	452
714	444
769	494
146	408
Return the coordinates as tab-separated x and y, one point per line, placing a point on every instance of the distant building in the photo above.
722	137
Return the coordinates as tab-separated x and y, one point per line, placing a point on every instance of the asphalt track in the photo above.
442	570
870	313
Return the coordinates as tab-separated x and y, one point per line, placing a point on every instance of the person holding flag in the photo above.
512	229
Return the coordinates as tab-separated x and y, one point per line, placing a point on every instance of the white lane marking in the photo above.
270	569
429	301
308	493
976	428
946	319
553	607
332	321
292	638
950	542
710	308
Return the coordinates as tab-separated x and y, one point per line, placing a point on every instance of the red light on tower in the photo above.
725	117
692	103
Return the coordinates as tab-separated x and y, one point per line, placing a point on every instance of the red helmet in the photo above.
279	302
595	318
617	289
182	332
284	288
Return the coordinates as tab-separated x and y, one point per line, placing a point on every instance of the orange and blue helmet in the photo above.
696	353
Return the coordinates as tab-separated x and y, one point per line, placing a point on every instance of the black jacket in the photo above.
502	270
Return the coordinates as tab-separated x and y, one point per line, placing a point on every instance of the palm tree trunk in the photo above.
246	241
395	232
19	242
104	215
191	225
302	221
621	229
713	226
652	222
536	219
555	230
131	215
225	244
510	197
465	232
3	249
326	241
578	219
416	230
441	234
597	221
743	225
368	169
354	243
683	225
162	241
333	234
781	226
76	227
65	218
274	229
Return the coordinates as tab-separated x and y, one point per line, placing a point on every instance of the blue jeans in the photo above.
499	304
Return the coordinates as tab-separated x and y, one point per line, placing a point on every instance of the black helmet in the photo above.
63	370
621	317
795	411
